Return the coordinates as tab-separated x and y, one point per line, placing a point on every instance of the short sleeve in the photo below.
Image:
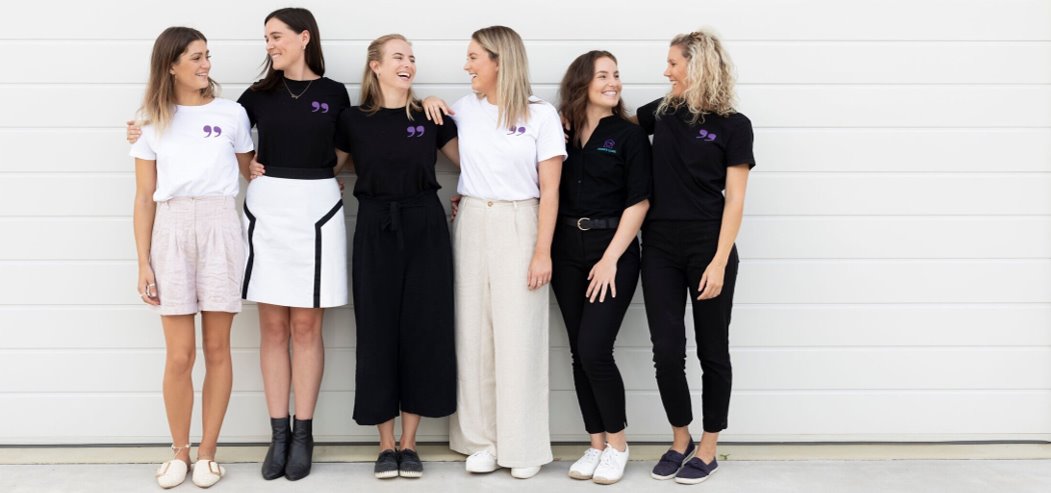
446	132
646	115
143	148
550	141
739	146
344	96
342	139
638	167
243	140
246	101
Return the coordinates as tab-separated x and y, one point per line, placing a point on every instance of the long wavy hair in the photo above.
298	20
573	91
709	77
371	92
506	48
158	105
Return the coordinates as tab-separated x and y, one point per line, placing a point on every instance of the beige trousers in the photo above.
501	335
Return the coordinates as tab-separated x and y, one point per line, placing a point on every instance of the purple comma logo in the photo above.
210	129
319	106
416	131
609	143
516	131
704	135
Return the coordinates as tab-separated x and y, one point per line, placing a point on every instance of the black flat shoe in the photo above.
409	465
301	452
277	454
386	465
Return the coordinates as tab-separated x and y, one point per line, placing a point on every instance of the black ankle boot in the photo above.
301	453
277	454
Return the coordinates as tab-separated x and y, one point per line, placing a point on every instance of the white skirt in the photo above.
297	243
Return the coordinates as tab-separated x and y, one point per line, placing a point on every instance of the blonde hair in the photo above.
158	106
371	92
709	74
505	47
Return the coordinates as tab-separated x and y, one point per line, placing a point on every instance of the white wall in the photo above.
896	251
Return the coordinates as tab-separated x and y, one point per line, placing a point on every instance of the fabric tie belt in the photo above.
393	208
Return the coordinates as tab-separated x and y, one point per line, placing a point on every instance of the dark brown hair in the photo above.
298	20
573	91
158	106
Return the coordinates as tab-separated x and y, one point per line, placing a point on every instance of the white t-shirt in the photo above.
497	162
195	154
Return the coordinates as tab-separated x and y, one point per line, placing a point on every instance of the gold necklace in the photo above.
296	96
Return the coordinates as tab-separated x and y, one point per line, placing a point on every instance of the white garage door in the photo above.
896	252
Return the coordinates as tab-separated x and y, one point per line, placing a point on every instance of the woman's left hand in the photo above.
539	271
603	278
256	169
712	281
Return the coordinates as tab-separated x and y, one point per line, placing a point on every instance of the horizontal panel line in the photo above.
364	41
733	347
757	171
554	85
744	261
693	390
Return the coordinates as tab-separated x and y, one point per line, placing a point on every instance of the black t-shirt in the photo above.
690	161
609	174
297	133
394	157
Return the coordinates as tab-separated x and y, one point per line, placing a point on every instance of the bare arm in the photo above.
244	162
451	150
144	211
736	182
603	275
550	171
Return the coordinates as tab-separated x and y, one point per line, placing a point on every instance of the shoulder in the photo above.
649	108
737	121
332	84
540	109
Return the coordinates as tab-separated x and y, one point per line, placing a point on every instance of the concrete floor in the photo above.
927	476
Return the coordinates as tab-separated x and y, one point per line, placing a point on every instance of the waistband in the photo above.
392	209
299	173
469	201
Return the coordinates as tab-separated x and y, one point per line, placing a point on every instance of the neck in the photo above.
185	96
394	97
596	113
300	71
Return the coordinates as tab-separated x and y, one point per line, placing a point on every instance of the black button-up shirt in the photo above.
609	174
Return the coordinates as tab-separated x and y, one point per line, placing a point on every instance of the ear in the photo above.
374	65
305	37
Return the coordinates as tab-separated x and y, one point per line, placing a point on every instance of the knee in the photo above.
305	330
595	360
180	361
274	333
216	353
669	357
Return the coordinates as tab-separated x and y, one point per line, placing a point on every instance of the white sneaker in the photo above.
524	472
482	462
207	472
585	466
172	473
611	466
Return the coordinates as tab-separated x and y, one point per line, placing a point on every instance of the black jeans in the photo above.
674	256
593	327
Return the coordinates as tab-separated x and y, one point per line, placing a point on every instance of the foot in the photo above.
481	462
207	472
696	471
301	450
277	453
410	466
172	473
386	465
670	463
524	472
611	466
585	466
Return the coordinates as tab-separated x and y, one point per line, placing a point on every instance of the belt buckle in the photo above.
582	220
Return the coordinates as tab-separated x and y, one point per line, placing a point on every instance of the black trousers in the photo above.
403	306
593	327
674	256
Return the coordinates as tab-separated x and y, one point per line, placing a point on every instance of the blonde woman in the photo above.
702	149
511	152
188	236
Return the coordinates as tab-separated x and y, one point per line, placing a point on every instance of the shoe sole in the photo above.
386	474
411	474
696	481
482	471
606	481
579	475
684	461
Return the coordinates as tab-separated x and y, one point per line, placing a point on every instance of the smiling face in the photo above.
191	69
604	89
284	46
482	69
397	68
676	71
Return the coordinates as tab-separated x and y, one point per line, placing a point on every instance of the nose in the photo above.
667	72
466	66
206	64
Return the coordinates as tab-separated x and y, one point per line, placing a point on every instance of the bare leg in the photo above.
386	430
180	352
706	451
274	360
681	439
598	441
308	358
618	440
218	379
409	424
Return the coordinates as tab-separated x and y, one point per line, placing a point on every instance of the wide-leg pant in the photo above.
403	308
593	327
501	335
674	256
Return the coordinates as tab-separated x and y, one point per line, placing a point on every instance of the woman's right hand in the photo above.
134	131
148	286
434	106
454	202
256	169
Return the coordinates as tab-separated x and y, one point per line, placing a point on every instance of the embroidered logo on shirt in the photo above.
416	131
516	131
705	136
319	106
209	130
608	146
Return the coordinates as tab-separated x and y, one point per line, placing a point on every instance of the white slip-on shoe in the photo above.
524	472
611	466
172	473
481	462
207	472
585	466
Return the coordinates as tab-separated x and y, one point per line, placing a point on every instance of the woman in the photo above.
511	152
402	260
603	200
188	236
702	148
295	225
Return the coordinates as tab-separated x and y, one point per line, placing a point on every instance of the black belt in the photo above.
587	223
299	173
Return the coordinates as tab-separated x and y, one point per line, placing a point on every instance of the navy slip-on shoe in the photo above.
670	463
696	471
